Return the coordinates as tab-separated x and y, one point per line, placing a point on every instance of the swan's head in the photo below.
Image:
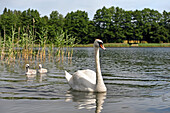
99	43
27	65
40	66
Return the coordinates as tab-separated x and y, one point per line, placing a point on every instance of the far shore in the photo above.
128	45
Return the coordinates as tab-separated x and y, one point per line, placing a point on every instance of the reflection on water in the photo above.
137	79
38	78
87	100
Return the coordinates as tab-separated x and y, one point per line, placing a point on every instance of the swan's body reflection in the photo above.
38	78
87	100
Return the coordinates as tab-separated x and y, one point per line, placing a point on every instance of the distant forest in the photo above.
112	25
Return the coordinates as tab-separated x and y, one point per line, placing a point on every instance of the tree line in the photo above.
112	25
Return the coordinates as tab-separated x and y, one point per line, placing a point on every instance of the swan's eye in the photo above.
101	45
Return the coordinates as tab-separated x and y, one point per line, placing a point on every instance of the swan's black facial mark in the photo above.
101	45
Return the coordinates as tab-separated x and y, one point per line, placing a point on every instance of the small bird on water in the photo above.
30	71
42	70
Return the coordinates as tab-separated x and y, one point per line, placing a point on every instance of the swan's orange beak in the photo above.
102	46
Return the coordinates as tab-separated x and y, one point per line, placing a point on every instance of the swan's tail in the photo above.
68	76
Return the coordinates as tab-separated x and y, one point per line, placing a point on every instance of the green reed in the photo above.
3	46
23	48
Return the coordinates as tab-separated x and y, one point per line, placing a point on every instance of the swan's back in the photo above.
82	80
42	70
31	72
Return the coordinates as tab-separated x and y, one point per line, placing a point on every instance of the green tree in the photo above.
138	25
91	32
129	26
76	23
55	24
8	20
112	24
117	26
109	24
31	23
102	20
165	23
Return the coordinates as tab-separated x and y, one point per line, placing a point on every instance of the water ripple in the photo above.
133	76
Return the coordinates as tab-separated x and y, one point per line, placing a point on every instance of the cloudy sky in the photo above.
45	7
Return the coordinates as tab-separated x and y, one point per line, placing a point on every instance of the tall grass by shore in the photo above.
23	48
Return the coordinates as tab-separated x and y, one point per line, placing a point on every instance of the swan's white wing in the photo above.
90	75
82	80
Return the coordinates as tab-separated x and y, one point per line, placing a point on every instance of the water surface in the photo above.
137	79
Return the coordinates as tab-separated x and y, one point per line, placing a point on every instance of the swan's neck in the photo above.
100	86
27	69
97	61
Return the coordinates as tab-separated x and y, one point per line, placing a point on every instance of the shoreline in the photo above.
128	45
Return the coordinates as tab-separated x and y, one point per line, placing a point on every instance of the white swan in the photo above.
42	70
88	80
30	71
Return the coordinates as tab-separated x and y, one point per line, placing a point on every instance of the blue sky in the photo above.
45	7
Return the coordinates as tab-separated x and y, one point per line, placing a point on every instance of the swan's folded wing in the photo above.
90	74
82	80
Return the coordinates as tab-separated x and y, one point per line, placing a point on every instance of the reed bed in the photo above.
23	48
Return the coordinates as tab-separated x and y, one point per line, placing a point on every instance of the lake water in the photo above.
137	79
